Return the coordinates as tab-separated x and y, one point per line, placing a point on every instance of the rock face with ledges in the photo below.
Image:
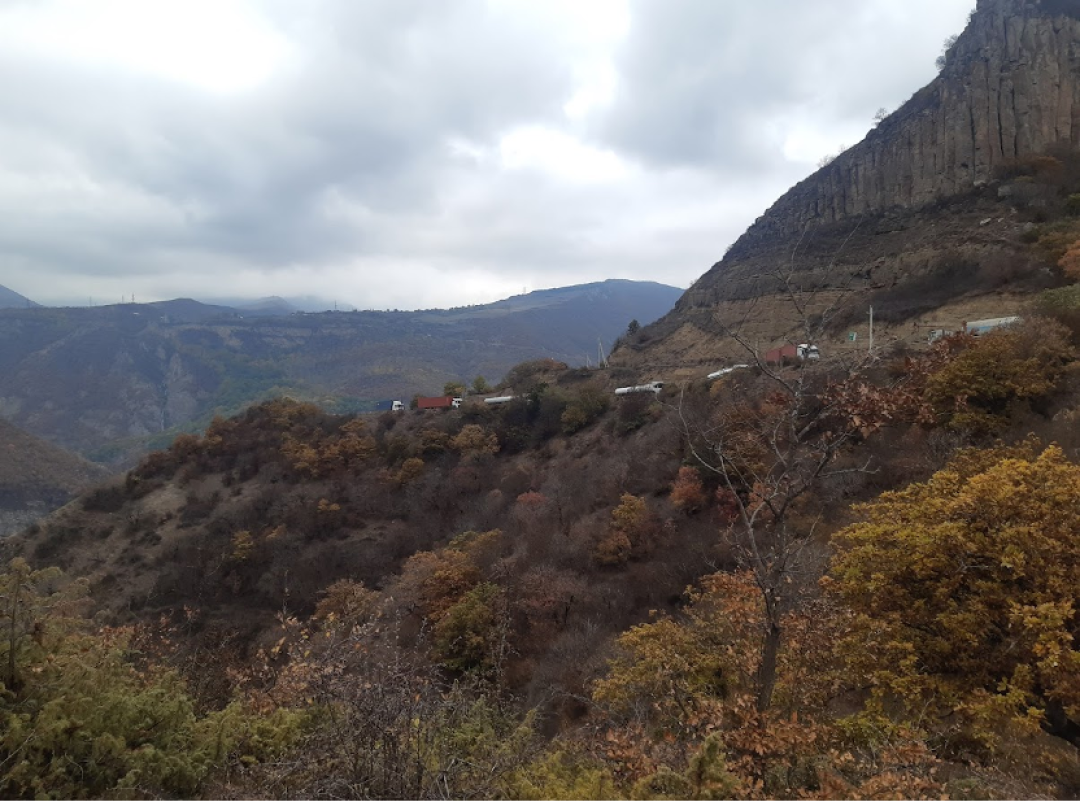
1009	89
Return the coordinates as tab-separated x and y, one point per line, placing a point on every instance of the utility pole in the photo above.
871	348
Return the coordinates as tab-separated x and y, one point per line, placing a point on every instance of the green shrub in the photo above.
467	635
80	720
634	412
586	406
1031	236
1062	305
104	499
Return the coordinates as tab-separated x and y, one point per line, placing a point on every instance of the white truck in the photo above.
651	387
977	327
792	354
725	371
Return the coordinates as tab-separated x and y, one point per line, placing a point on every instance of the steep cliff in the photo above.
1009	88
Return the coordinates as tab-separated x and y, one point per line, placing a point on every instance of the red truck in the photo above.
789	354
438	402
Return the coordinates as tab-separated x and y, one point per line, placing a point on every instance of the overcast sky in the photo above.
421	153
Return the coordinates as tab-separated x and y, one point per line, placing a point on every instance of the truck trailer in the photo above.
725	371
651	387
438	402
389	406
977	327
790	354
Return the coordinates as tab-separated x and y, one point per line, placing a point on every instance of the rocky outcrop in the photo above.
1010	87
921	189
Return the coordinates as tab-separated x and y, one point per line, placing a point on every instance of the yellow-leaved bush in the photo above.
964	590
980	390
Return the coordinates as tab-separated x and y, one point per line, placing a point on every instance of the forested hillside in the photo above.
577	595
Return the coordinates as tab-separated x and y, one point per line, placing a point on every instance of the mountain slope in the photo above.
166	534
37	477
942	191
9	299
106	381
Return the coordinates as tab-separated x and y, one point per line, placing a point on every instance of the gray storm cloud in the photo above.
407	153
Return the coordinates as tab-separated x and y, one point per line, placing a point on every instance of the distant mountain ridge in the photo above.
109	382
9	299
276	305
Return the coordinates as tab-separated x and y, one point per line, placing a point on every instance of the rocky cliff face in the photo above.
1010	87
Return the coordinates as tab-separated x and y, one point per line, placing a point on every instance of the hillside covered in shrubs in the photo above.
822	581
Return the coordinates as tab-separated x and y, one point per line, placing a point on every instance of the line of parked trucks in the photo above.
778	356
422	402
791	354
436	402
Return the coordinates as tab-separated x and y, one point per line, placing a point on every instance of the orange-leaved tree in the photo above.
1070	262
772	450
688	491
631	533
474	442
448	590
676	681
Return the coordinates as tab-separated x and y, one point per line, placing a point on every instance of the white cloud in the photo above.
559	155
409	153
214	45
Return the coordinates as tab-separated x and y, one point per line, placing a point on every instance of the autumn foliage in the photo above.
983	387
688	491
964	590
1070	262
681	694
422	596
630	534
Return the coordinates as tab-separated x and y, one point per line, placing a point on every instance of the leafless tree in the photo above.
774	447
